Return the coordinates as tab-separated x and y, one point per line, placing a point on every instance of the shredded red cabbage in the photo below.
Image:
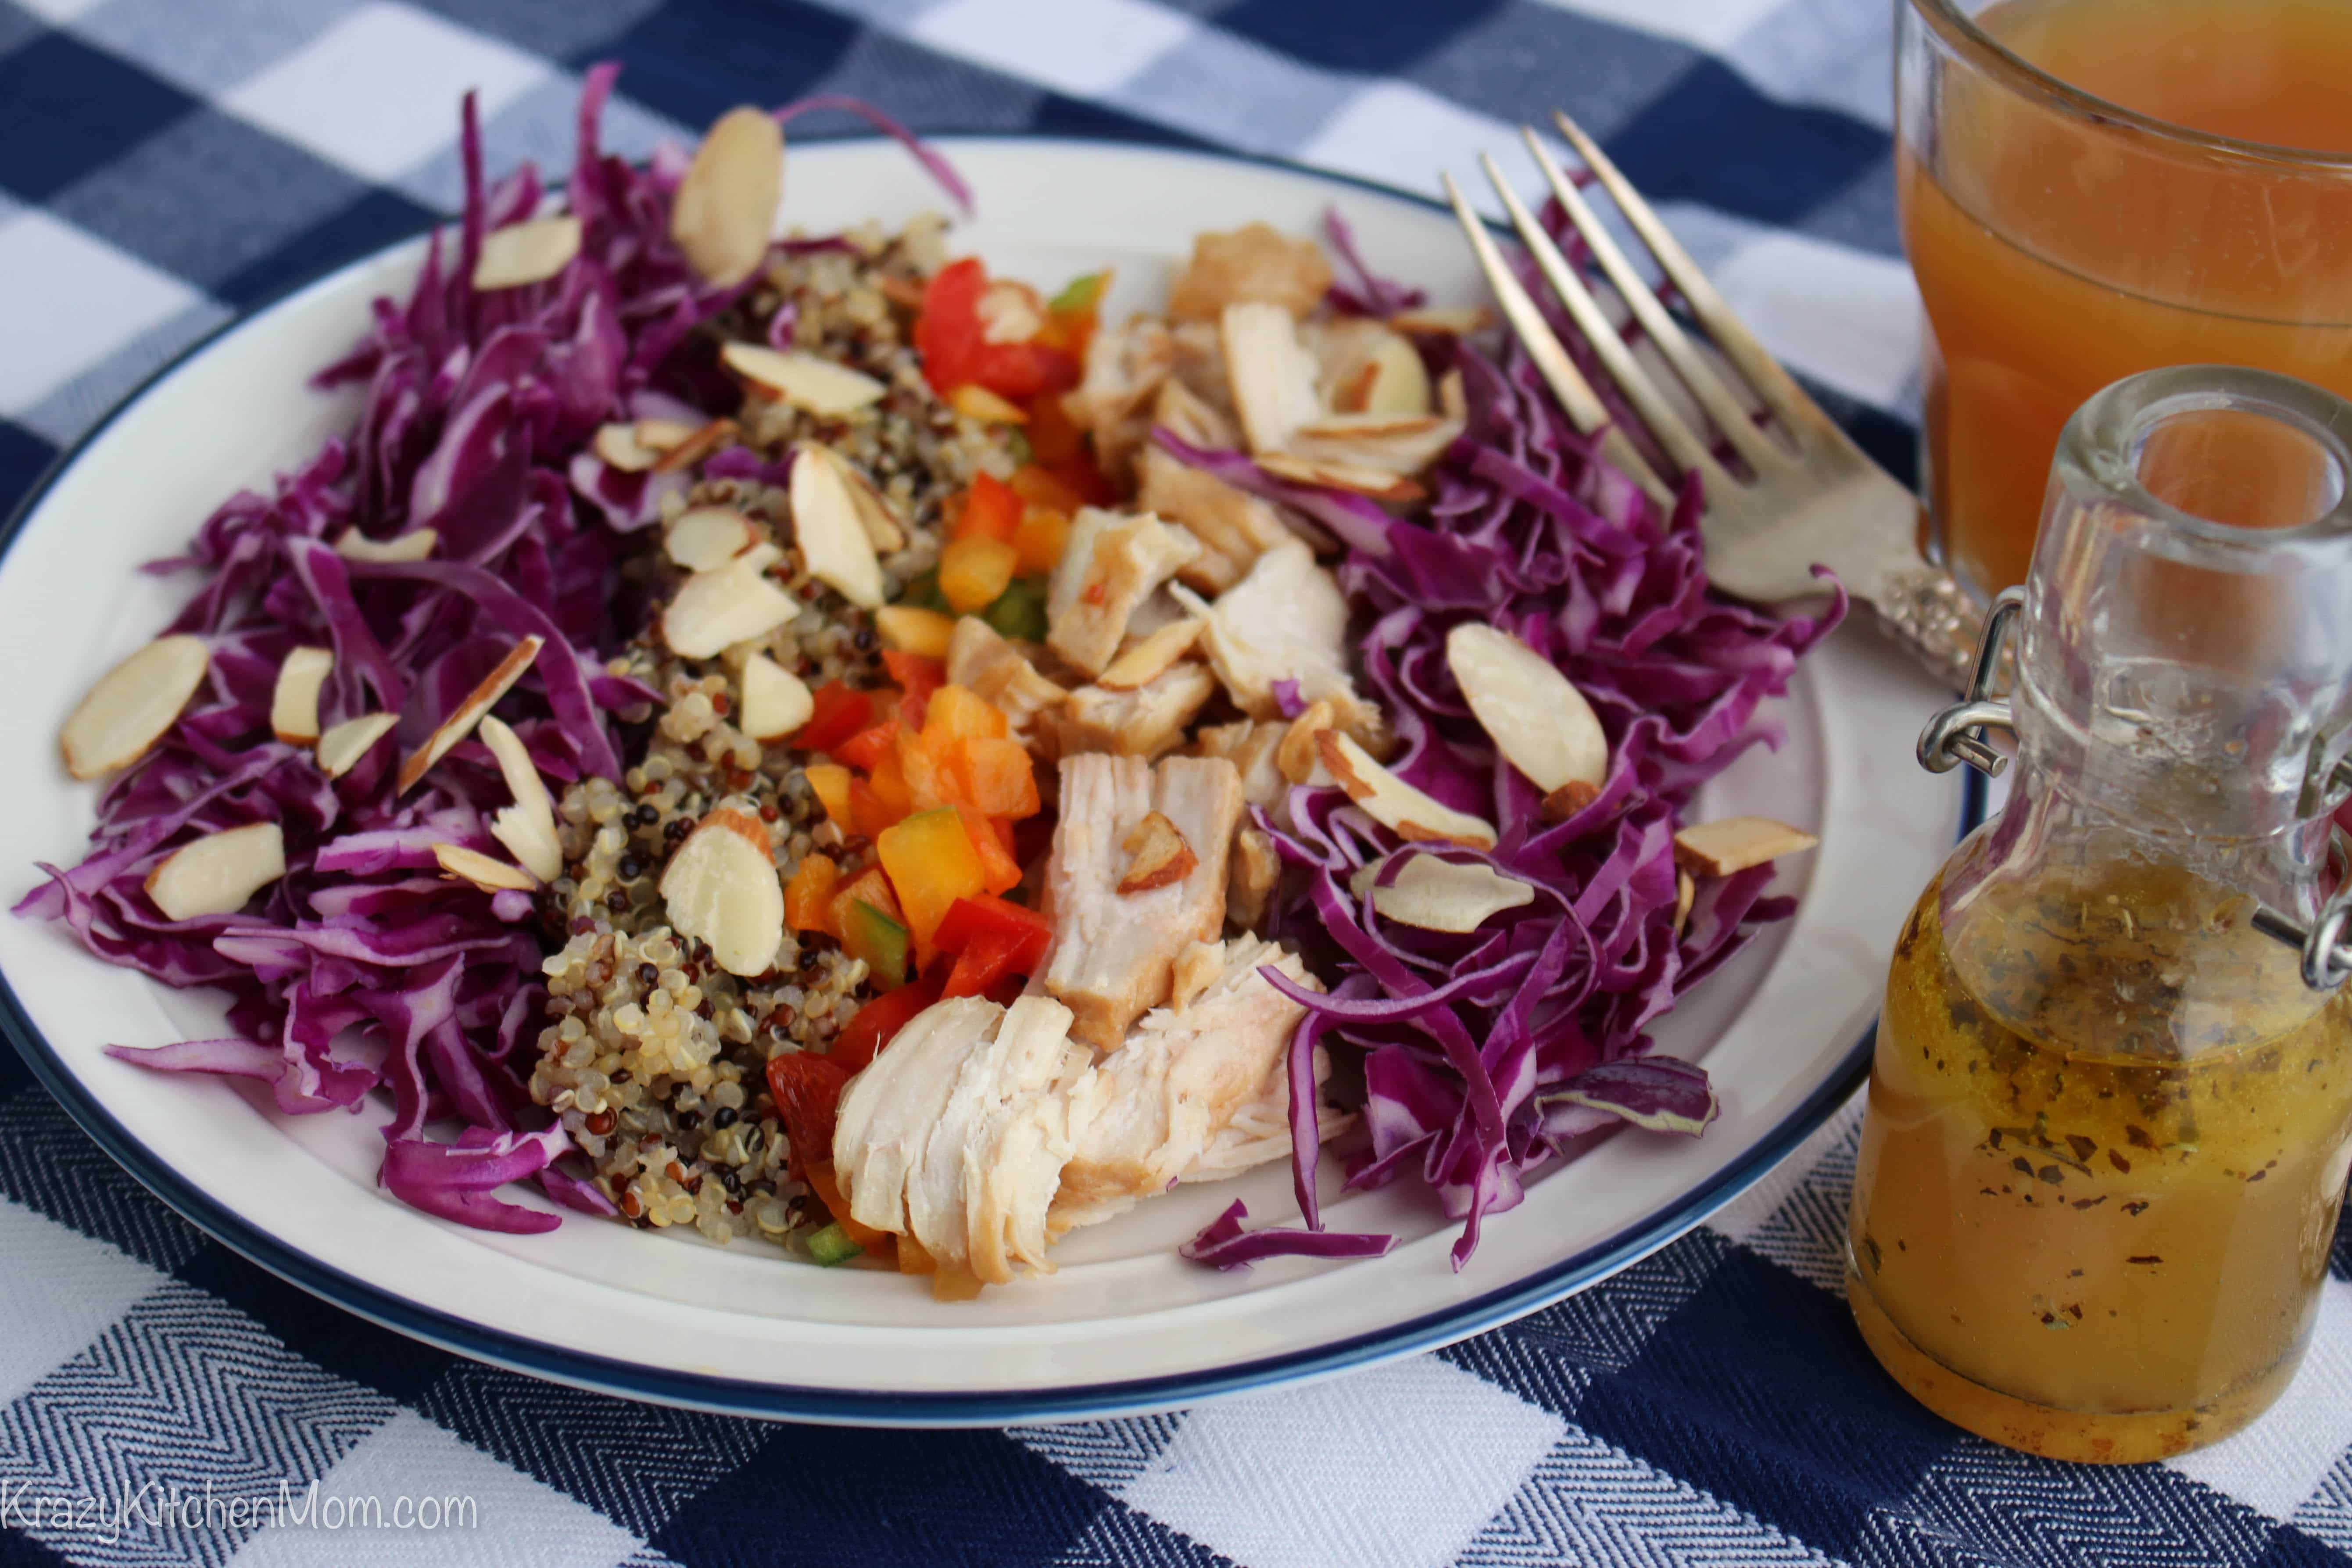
479	409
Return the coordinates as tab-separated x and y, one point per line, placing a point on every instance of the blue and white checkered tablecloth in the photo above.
165	164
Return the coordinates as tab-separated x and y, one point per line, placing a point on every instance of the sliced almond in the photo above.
528	826
698	443
414	545
1272	374
1159	855
912	630
662	434
478	701
1393	380
216	874
1377	483
1387	799
725	208
775	701
528	252
721	888
618	446
832	538
1443	895
804	379
1569	799
726	604
1009	313
1144	660
294	704
1298	754
976	402
1458	320
704	537
463	865
1452	400
884	529
1392	443
906	294
340	747
131	705
1535	715
1736	843
1686	894
1250	877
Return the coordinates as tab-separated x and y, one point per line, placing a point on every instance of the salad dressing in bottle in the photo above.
2110	1112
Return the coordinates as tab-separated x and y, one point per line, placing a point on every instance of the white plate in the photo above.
1126	1325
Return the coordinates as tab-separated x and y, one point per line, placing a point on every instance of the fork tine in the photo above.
1682	446
1584	407
1777	389
1731	417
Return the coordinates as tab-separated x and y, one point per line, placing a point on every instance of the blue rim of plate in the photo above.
735	1396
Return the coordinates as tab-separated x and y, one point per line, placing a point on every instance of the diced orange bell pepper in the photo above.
991	509
839	714
867	747
975	569
957	711
827	1189
810	893
830	783
876	1024
1044	533
868	814
918	677
890	782
999	871
1040	486
932	863
997	777
931	780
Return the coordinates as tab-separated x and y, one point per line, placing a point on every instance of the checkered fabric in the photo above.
166	163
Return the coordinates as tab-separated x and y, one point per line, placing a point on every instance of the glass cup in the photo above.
2062	240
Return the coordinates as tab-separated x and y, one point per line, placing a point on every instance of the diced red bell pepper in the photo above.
1053	438
991	509
918	677
807	1091
955	348
878	1023
990	938
867	747
839	714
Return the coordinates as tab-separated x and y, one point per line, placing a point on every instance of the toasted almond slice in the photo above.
661	434
726	604
906	294
1735	843
1535	715
528	252
1443	895
1452	400
216	874
725	208
704	537
1396	804
911	630
1297	754
1271	372
775	701
1009	313
976	402
478	701
340	747
1569	799
803	380
131	705
721	888
1395	381
1377	483
460	864
416	544
1685	892
1390	443
1457	321
618	446
1160	857
698	445
294	704
884	531
833	540
1144	661
528	826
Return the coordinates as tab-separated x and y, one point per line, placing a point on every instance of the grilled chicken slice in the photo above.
1194	418
1146	722
1200	368
1257	262
1198	1091
1123	374
980	660
1286	621
1111	564
1114	953
957	1134
1234	527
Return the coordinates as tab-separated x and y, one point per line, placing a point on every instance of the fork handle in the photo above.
1936	620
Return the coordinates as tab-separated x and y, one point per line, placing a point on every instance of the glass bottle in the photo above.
2110	1112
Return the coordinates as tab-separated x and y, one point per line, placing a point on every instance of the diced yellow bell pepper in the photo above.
810	893
913	630
974	570
1043	534
932	864
957	711
974	401
830	783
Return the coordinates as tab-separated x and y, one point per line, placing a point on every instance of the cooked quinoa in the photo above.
653	1057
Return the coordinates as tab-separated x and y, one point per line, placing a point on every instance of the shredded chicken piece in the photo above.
981	660
1146	722
1287	621
1124	372
1251	745
1200	368
1182	1077
887	1112
1233	527
1194	418
1114	953
1257	262
1111	564
1273	376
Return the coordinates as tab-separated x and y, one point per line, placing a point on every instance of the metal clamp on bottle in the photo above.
1956	734
2327	956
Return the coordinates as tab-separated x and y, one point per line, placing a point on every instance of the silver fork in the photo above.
1811	496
